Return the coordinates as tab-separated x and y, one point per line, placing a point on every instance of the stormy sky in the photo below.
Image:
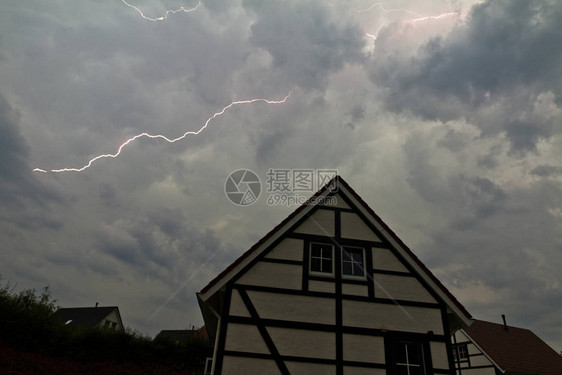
445	116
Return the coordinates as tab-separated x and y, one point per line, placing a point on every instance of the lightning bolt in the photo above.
168	12
434	17
388	10
153	136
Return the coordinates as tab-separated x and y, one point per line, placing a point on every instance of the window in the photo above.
321	258
460	352
353	262
409	358
408	353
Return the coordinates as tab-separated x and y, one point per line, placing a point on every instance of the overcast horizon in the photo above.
445	116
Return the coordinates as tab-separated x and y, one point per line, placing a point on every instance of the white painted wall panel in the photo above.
322	286
479	371
245	338
363	371
238	366
393	317
289	248
401	288
299	368
237	306
303	343
363	348
479	360
439	355
275	275
294	308
340	203
353	227
355	290
384	259
322	223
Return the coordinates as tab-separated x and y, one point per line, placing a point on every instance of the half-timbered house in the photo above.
331	290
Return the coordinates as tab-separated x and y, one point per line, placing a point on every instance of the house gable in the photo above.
332	274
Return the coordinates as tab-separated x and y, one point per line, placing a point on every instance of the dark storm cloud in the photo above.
501	70
305	44
162	238
23	199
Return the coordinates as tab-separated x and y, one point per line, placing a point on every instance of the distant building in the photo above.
179	336
90	317
487	348
331	290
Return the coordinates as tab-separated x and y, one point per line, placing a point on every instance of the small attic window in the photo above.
68	321
353	262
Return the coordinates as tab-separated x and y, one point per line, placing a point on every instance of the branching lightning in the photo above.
168	12
172	140
388	10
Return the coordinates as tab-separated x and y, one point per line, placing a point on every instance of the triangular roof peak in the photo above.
337	186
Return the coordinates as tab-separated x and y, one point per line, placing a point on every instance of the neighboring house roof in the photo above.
341	187
181	335
85	316
515	350
175	335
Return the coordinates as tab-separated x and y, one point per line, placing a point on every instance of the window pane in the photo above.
357	255
315	265
327	265
401	370
401	353
316	250
414	353
346	268
327	252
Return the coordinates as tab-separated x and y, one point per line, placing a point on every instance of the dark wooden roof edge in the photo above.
356	196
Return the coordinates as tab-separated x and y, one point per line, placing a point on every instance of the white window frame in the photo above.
320	273
353	277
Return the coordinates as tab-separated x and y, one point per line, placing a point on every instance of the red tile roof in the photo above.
515	350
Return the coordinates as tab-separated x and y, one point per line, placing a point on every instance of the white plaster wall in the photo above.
339	202
322	223
239	366
322	286
294	308
383	259
112	317
303	343
439	355
479	371
353	227
355	290
289	248
363	371
237	306
244	338
299	368
391	316
480	360
363	348
401	287
275	275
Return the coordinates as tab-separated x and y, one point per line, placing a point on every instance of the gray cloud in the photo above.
500	69
23	199
306	45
